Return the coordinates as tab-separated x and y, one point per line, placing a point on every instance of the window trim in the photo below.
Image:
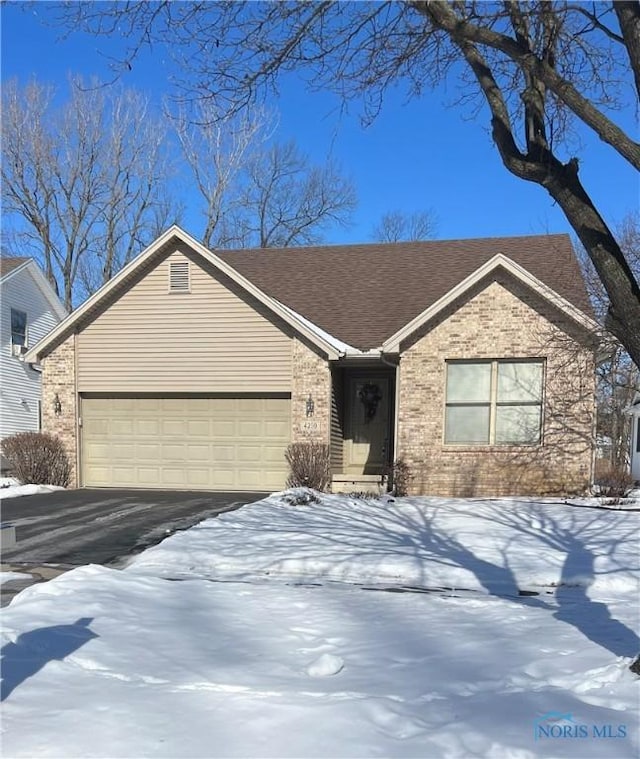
494	404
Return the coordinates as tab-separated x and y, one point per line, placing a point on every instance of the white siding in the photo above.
20	385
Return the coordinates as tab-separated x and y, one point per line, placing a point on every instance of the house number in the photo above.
310	426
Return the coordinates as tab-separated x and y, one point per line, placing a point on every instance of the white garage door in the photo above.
185	443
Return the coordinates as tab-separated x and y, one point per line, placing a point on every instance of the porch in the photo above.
362	426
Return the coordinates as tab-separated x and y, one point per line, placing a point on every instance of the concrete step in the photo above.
358	483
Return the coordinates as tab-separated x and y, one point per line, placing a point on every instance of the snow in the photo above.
10	576
325	665
246	636
14	491
496	546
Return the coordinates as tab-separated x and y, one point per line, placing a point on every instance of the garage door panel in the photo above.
174	452
181	442
198	428
223	479
223	428
248	453
125	474
174	428
276	430
223	453
121	427
147	452
199	453
147	427
272	454
251	428
148	476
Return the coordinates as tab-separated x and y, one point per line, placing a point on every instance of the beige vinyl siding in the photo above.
209	339
337	432
185	442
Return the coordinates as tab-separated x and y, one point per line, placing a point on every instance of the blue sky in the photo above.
417	155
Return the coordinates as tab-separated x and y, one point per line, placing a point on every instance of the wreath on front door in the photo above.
370	396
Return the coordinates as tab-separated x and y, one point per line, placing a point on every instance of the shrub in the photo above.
400	476
301	497
309	465
614	483
38	458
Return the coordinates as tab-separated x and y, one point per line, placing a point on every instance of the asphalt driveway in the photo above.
74	527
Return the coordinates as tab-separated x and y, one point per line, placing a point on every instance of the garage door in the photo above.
185	442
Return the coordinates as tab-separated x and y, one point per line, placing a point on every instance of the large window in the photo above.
494	402
18	327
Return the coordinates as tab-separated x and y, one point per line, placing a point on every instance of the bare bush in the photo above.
400	476
614	483
309	465
37	458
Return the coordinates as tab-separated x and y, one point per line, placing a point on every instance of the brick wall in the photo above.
58	378
311	378
502	321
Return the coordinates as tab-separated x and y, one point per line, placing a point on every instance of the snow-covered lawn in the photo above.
251	635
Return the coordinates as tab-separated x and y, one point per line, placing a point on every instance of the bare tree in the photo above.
287	201
396	226
258	193
217	147
83	184
537	67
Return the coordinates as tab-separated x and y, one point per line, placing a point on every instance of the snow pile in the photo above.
498	546
14	491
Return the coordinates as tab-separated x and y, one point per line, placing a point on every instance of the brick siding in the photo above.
502	321
59	378
311	378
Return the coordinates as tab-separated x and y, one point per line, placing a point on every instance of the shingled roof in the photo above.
363	294
9	264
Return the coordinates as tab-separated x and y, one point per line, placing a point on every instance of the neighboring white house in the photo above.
634	412
30	309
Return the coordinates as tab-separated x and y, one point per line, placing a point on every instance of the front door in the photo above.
368	424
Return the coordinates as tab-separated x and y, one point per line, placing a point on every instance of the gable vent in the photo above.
179	277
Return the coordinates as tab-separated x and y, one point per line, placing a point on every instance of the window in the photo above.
494	402
18	327
179	277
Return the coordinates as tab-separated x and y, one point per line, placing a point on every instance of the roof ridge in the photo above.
396	244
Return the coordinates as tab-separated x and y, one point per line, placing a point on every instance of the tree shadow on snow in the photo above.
34	649
581	541
425	534
592	618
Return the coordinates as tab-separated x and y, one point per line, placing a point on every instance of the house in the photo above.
470	360
633	411
30	309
